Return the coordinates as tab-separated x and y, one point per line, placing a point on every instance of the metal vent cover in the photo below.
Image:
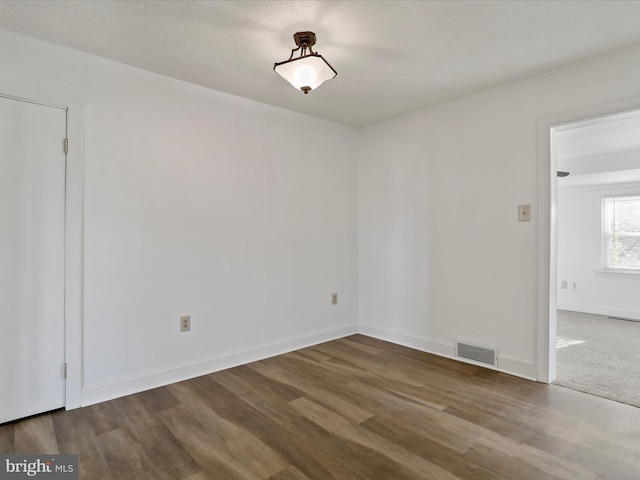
477	353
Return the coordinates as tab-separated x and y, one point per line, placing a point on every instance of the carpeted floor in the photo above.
599	355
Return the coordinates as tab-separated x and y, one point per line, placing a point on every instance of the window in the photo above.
621	232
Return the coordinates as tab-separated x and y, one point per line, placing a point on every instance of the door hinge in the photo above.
66	145
65	370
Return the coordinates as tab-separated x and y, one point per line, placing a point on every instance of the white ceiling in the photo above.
600	137
392	57
601	150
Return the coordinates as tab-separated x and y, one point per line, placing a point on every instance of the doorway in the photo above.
597	270
32	257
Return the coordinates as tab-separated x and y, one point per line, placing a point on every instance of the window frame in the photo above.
602	233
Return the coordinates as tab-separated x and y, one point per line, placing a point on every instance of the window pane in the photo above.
624	252
622	232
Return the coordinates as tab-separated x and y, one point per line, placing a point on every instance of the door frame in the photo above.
547	225
73	241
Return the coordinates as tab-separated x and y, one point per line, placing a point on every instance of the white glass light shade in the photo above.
306	73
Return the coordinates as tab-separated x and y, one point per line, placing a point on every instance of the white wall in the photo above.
441	255
198	203
201	203
596	292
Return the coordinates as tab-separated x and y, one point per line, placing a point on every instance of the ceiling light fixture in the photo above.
308	71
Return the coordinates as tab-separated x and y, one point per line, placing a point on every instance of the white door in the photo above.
32	208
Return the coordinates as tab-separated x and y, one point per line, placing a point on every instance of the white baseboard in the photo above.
423	344
145	381
517	367
609	312
506	364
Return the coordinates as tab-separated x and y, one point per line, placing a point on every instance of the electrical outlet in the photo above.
564	284
185	323
334	299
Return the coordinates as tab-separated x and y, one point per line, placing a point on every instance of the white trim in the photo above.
36	102
506	364
605	311
73	225
424	344
617	271
547	226
546	251
518	368
157	378
74	253
601	253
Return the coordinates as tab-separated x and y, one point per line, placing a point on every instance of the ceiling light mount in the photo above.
304	40
307	71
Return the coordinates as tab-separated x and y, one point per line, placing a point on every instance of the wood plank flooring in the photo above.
355	408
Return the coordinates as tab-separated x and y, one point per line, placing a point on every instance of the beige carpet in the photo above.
599	355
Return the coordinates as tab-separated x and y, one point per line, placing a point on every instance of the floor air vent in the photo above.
478	353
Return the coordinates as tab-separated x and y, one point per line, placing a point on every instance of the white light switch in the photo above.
524	213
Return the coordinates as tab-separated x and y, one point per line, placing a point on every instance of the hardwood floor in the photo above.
354	408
